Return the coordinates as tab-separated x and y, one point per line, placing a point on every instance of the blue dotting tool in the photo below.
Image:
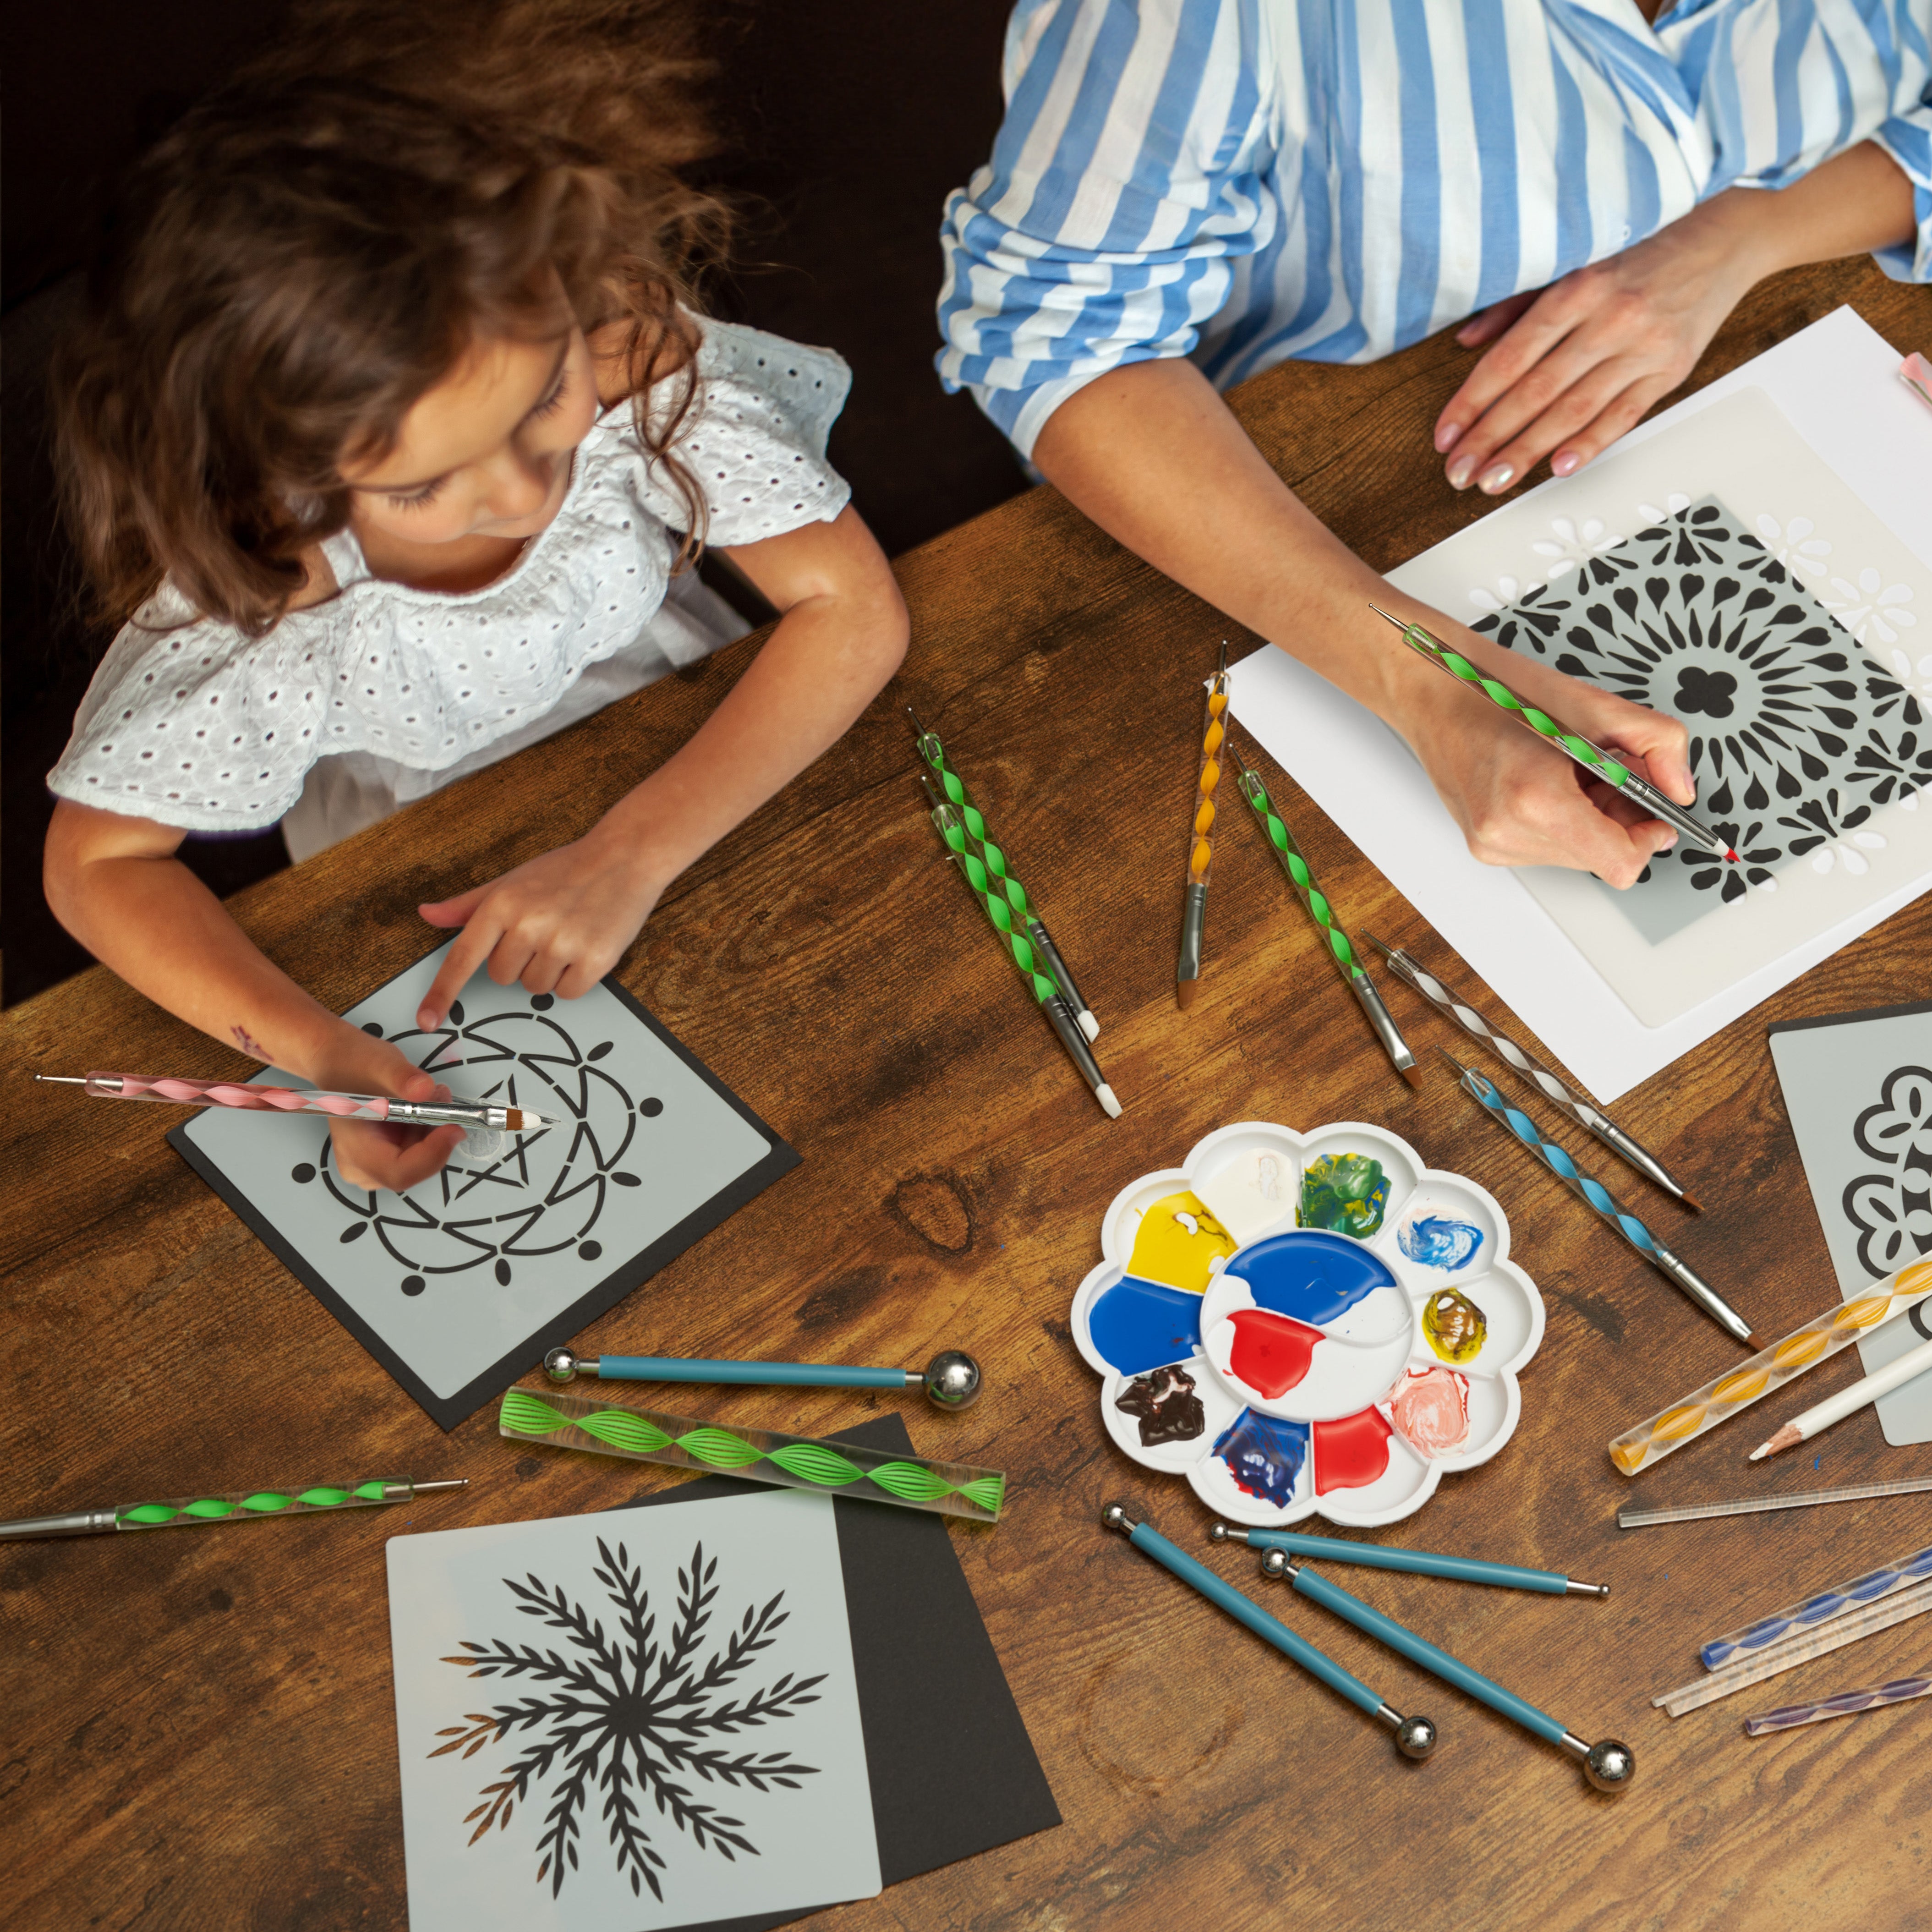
1595	1195
1416	1562
951	1380
1414	1737
1609	1765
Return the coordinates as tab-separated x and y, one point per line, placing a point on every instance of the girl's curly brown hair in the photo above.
309	251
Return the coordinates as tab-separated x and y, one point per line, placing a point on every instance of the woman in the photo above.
1185	192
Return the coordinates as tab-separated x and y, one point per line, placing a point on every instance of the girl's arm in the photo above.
562	921
1155	457
115	883
1577	364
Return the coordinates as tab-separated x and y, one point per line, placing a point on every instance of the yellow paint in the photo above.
1166	1249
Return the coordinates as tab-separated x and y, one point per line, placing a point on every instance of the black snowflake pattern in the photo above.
531	1196
630	1717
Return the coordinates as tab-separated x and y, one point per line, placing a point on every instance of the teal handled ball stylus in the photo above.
1609	1765
1414	1737
951	1380
1414	1562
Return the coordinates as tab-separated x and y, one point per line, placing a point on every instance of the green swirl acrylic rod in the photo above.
759	1455
974	825
1341	952
239	1506
1594	759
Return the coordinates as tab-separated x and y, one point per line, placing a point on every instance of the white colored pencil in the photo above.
1834	1408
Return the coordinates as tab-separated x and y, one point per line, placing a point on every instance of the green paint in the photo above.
1501	695
1344	1194
814	1463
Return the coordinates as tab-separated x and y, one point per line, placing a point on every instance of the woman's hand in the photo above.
558	923
371	1154
1521	803
1576	365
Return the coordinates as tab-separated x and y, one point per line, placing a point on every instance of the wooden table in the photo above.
198	1729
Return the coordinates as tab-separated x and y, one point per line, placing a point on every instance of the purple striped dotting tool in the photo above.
1846	1704
1819	1609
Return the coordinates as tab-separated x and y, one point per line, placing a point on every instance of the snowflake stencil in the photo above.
630	1716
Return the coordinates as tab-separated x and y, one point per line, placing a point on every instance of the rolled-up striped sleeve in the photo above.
1131	170
1907	139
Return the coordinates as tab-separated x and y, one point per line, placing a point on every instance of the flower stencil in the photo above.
1892	1210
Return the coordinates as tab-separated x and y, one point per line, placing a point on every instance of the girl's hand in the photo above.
1576	365
558	923
371	1154
1521	803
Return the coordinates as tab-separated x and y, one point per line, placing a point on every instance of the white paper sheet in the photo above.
1837	383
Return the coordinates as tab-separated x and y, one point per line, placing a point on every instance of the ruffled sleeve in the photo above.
190	723
755	439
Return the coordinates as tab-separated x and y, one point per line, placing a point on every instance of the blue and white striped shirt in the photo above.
1244	181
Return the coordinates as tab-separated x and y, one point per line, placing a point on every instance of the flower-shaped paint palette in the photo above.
1307	1325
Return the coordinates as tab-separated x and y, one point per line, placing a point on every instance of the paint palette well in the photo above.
1307	1324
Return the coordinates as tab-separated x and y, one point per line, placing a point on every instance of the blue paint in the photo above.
1264	1455
1438	1242
1310	1276
1137	1325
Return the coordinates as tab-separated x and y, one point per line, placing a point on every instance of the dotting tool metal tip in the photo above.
1608	1764
1114	1515
441	1482
951	1380
63	1079
1381	613
1572	1588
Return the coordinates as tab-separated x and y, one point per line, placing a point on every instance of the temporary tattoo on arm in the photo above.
248	1042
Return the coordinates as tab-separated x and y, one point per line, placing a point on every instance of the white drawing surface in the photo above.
636	1719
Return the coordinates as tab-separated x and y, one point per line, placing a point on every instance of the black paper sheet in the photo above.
952	1769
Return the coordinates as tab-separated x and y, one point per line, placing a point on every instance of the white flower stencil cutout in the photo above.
1794	546
1871	607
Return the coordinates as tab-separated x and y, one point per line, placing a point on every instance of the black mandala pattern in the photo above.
1892	1210
632	1717
506	1199
1795	738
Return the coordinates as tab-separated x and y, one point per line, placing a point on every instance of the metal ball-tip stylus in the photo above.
1609	1765
1415	1737
951	1380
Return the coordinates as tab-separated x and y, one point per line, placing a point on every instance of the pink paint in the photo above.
1431	1407
1352	1454
1271	1352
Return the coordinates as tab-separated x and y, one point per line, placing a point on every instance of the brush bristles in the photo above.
1184	991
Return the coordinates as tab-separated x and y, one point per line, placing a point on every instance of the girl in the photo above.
391	409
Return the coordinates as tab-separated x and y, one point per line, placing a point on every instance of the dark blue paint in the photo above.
1265	1456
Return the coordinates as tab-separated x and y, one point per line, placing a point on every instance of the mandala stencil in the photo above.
1796	733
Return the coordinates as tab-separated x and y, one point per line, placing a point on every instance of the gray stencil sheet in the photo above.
636	1719
1721	572
459	1286
1858	1089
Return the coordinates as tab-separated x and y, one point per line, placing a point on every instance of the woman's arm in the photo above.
562	921
115	883
1154	455
1577	364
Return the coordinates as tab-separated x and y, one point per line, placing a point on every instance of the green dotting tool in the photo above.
760	1455
1341	952
1594	759
239	1506
1018	948
990	856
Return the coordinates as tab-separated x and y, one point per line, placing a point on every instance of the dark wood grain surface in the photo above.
198	1727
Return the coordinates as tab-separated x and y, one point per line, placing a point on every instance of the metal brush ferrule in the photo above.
1193	926
1379	1017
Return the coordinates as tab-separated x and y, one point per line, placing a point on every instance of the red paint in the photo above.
1350	1453
1270	1352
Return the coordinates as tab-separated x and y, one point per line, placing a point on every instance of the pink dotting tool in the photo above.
303	1100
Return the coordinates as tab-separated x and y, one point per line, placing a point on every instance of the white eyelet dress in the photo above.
384	694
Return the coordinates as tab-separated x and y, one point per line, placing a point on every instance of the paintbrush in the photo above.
1201	837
